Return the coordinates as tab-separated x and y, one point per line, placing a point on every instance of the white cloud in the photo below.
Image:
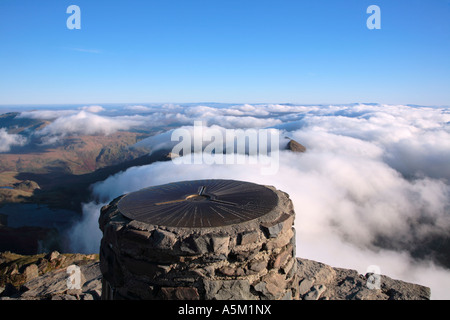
201	136
85	236
248	109
84	123
244	122
202	112
415	141
139	108
93	109
46	114
9	140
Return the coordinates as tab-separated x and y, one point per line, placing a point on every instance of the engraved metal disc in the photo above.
199	203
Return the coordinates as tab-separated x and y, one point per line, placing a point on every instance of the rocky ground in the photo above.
321	281
45	276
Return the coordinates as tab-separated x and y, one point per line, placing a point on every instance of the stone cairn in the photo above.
252	260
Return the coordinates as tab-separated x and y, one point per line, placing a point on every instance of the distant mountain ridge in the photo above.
67	157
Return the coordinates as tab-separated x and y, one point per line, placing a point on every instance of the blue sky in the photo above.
245	51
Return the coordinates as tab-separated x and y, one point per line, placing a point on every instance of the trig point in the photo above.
199	240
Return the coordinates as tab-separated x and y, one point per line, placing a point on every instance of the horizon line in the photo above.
212	102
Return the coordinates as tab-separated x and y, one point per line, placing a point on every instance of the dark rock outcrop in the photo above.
26	185
294	146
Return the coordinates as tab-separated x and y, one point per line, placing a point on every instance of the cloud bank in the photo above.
10	140
83	123
86	123
373	183
93	109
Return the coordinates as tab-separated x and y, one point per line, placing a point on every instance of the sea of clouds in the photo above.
370	172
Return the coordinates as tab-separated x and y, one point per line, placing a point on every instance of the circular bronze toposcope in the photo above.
199	203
